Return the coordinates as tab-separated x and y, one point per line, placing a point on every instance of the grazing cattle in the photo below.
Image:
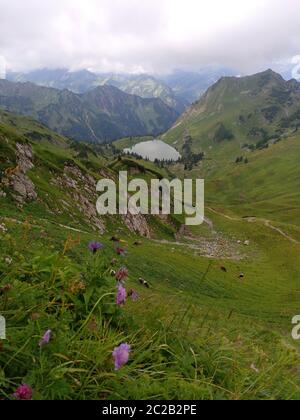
115	239
144	283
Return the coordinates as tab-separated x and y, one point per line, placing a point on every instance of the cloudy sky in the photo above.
149	35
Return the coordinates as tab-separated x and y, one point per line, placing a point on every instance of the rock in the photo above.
253	367
137	223
3	228
24	157
18	180
24	188
82	190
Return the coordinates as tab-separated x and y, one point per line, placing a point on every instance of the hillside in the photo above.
253	111
214	323
100	115
46	174
248	130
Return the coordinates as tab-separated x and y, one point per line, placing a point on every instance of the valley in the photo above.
215	321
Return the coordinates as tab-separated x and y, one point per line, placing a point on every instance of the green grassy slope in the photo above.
253	110
198	332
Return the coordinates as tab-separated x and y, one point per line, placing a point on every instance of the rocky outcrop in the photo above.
24	155
82	189
137	224
17	179
23	187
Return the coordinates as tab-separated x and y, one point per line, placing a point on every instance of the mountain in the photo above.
77	81
177	90
190	86
254	110
248	130
102	114
147	87
83	81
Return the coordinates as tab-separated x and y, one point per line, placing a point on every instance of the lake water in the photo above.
154	149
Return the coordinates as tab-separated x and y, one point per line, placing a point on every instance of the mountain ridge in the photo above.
82	81
103	114
256	109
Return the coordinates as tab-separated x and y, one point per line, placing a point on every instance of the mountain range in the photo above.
249	111
178	89
102	114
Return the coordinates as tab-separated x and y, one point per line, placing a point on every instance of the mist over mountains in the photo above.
178	89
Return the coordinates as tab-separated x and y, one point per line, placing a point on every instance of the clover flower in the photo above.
24	392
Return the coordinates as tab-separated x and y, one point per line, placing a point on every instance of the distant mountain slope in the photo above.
190	86
147	87
77	81
103	114
177	90
255	110
83	81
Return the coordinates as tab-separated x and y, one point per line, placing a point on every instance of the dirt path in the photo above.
266	222
19	222
280	231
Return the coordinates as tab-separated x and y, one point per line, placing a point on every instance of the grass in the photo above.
183	345
198	332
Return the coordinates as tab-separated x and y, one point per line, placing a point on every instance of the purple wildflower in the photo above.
46	338
134	295
24	392
121	295
122	274
95	246
121	355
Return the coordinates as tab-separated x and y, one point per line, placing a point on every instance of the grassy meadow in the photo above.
215	319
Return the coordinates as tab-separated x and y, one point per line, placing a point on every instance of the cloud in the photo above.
2	67
148	35
296	67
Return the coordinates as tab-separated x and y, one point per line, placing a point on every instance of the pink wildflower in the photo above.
24	392
122	274
134	295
